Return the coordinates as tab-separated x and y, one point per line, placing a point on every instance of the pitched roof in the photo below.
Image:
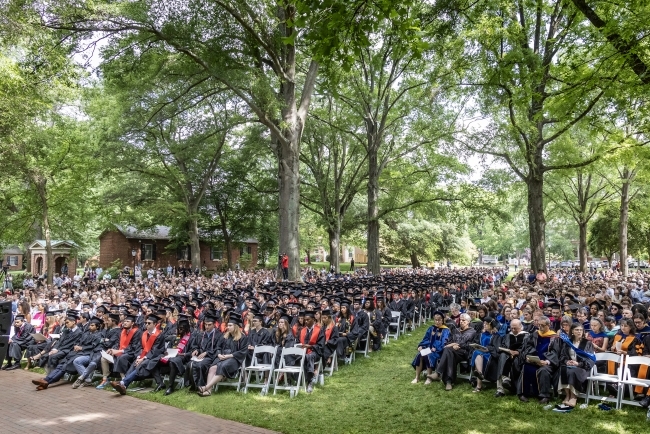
55	243
159	232
12	250
155	233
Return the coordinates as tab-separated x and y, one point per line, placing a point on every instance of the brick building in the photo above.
12	257
149	249
65	257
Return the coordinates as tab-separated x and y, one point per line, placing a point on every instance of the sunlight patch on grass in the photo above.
615	427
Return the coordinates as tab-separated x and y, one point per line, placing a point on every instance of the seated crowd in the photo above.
539	338
214	325
530	337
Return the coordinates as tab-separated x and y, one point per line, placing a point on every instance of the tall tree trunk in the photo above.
622	228
536	222
373	213
415	262
195	247
334	242
582	246
41	187
290	204
308	256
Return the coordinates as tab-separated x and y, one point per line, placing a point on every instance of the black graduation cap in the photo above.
327	312
235	318
618	305
152	317
129	317
258	315
19	317
96	320
310	313
72	315
52	313
210	316
287	318
115	317
183	317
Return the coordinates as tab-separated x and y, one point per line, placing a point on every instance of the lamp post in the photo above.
133	253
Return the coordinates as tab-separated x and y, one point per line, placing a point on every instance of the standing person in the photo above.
285	266
352	264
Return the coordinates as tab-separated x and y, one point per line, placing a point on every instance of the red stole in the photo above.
147	342
313	339
126	336
328	331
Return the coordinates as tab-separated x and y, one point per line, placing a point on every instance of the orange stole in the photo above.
313	339
611	366
147	342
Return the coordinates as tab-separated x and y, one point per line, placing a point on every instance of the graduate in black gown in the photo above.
257	336
177	365
331	336
206	350
153	348
231	354
456	351
509	366
536	378
283	338
576	358
19	342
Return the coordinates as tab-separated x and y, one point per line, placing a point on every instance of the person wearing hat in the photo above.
179	364
206	350
70	335
331	336
37	353
89	345
348	331
231	354
435	339
63	352
153	348
19	342
283	338
257	335
130	343
312	339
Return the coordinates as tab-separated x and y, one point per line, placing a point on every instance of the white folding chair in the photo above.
334	366
233	382
260	369
286	370
364	350
394	324
595	378
629	382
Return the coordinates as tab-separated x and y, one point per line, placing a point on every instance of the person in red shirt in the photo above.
285	266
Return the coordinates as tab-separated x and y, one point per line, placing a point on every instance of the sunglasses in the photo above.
149	322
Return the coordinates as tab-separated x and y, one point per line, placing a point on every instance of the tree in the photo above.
580	193
603	234
335	166
624	27
536	78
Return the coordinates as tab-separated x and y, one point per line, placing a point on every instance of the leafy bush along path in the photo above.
375	396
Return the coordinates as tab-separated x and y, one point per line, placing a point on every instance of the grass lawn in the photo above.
375	396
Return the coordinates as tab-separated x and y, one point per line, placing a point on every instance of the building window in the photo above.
148	252
249	250
216	253
13	261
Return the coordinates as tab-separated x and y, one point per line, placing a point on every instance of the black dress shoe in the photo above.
7	366
522	398
645	402
158	388
169	391
12	367
543	401
499	395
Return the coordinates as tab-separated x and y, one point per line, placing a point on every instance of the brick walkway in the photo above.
60	409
